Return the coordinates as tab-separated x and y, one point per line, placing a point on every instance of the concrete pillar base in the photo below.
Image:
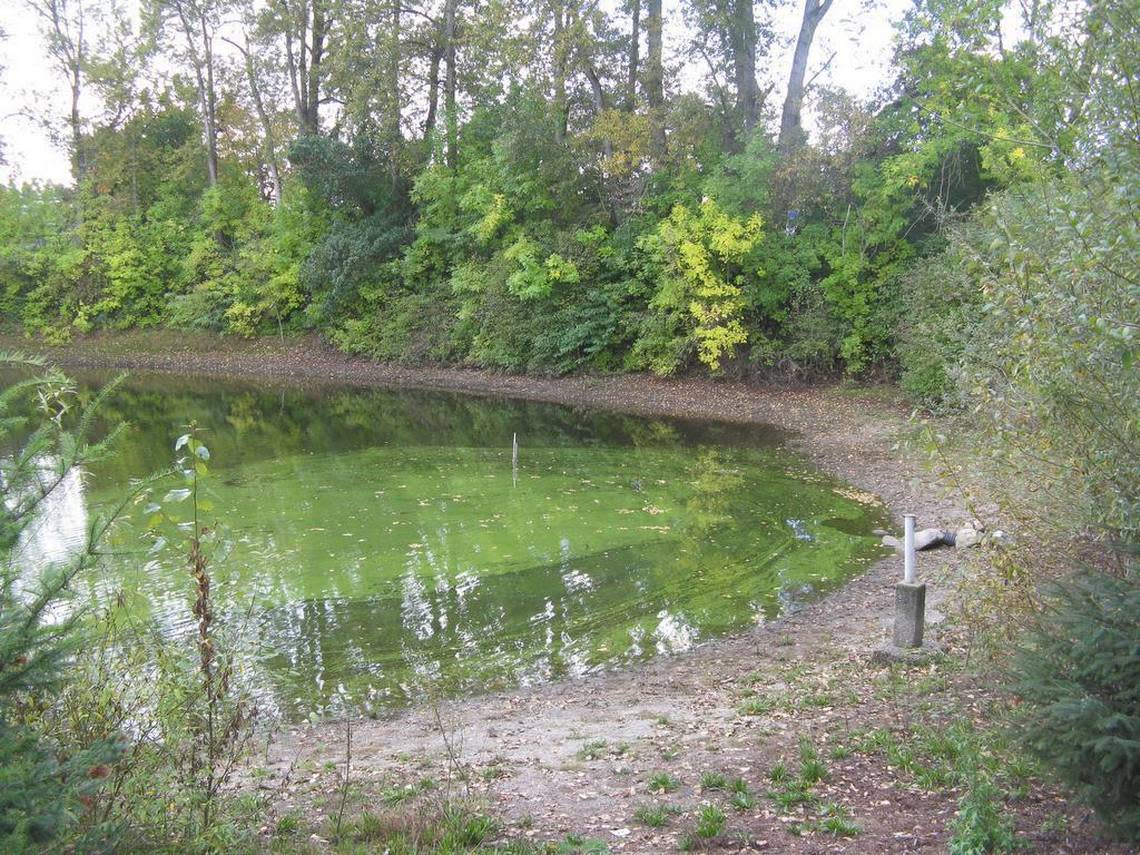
888	654
910	614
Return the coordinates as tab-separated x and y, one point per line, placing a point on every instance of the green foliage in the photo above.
42	785
699	260
655	815
835	820
977	235
980	827
176	714
713	781
205	715
1052	365
529	237
1079	675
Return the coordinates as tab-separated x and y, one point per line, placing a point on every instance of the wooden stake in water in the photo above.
515	458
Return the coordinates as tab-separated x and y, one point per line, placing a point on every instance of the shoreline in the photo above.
525	753
850	431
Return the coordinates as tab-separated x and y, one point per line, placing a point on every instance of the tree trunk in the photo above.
599	103
319	31
79	160
634	55
450	108
392	77
64	33
291	64
433	87
211	105
305	30
744	64
200	49
269	142
561	109
655	77
791	129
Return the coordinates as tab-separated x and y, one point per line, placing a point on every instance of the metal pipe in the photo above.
515	460
908	548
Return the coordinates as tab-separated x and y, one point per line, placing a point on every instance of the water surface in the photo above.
383	544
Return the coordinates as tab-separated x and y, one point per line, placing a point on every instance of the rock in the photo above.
928	538
966	537
879	532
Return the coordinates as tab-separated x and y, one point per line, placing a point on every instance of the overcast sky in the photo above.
859	32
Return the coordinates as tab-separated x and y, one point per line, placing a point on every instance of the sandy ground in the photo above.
578	757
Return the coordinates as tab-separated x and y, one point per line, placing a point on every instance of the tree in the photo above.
451	80
727	40
304	26
698	258
64	25
3	158
655	75
115	66
791	129
40	787
269	144
1079	678
744	63
197	22
634	55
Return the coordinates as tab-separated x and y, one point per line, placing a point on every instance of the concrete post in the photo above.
910	596
910	614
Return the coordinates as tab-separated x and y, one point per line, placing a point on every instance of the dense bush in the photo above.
1079	674
547	240
941	304
1043	345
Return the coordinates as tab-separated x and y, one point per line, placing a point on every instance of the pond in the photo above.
381	544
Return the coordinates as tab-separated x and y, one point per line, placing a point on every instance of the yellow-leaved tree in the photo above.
698	261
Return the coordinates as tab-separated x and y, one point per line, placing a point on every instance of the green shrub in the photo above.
1050	366
1079	674
42	785
980	828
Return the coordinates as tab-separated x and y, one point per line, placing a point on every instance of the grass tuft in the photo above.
663	782
713	781
710	822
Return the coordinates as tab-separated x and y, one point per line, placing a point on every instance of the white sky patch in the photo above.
30	86
34	93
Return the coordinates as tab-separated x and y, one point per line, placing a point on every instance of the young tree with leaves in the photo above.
42	787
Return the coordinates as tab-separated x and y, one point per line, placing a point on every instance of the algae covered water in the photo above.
381	545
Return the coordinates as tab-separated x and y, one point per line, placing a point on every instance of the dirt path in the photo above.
581	757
